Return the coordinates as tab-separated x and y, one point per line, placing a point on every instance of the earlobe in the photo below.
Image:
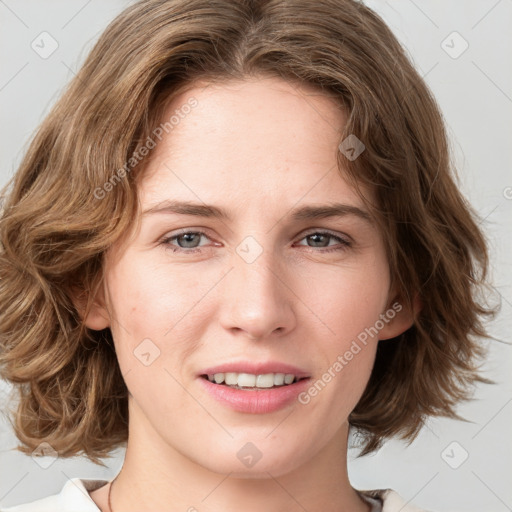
97	318
399	318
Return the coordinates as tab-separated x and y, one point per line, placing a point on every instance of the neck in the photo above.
157	476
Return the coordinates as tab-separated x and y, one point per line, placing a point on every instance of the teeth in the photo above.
249	380
231	379
264	381
288	378
278	379
244	380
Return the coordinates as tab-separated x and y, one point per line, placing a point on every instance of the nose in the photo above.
257	299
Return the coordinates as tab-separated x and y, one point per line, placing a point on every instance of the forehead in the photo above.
257	143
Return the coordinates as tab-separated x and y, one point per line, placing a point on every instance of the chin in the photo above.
253	459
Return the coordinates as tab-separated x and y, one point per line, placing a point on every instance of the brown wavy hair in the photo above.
55	229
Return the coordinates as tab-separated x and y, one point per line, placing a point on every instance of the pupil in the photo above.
188	236
316	237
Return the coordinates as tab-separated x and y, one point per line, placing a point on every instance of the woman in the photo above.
235	238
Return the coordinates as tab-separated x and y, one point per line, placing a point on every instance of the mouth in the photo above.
254	388
253	382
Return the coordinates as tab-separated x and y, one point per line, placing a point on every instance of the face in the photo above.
269	287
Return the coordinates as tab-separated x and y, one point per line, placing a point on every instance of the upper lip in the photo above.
255	368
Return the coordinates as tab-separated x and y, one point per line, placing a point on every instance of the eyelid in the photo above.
205	232
343	236
344	240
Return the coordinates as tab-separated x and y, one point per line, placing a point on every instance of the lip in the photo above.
255	402
255	368
262	401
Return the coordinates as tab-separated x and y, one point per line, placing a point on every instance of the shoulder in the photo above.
391	501
74	497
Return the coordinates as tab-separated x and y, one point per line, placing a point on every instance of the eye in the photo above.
186	240
189	241
322	238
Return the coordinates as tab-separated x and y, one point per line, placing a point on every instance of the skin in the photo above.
258	148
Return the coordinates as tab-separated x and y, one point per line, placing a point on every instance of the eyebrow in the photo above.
309	212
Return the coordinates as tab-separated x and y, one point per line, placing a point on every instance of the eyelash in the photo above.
345	244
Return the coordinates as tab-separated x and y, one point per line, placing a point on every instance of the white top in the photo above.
74	497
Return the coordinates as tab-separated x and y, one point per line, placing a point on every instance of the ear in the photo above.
98	317
399	317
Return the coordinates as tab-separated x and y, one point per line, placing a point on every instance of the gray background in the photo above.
474	90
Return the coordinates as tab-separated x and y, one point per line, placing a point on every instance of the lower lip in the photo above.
255	401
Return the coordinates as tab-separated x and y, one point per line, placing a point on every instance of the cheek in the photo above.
348	300
150	301
150	298
147	304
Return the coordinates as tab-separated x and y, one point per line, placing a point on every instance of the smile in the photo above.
252	381
254	393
